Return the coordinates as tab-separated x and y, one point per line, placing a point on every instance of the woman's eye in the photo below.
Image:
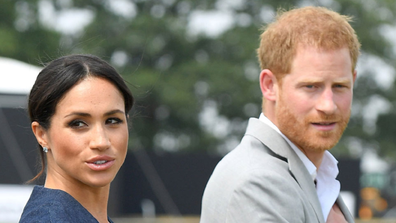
113	121
77	124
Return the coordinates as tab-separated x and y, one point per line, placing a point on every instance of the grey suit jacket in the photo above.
262	180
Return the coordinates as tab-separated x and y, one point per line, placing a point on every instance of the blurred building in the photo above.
17	143
16	140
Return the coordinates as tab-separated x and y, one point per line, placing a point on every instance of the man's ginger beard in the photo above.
301	132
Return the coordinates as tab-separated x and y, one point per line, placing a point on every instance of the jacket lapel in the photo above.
347	214
277	144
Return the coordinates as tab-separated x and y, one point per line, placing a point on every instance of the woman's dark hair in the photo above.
58	77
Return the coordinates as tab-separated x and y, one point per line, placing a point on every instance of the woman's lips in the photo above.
100	163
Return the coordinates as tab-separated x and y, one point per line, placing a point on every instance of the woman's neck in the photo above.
94	199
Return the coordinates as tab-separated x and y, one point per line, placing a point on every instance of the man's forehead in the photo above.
322	79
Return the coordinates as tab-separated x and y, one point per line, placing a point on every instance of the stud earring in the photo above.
45	149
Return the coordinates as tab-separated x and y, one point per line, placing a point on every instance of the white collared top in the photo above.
327	186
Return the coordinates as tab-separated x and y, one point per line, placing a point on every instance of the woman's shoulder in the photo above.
49	205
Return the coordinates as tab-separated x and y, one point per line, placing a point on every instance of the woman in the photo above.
79	108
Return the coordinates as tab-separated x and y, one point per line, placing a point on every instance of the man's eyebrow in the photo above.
342	81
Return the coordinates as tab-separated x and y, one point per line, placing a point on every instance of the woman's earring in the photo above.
45	149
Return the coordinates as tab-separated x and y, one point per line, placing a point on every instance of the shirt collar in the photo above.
307	163
328	187
329	163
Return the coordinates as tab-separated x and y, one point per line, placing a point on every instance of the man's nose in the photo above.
326	103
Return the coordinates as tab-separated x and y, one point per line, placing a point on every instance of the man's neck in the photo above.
314	156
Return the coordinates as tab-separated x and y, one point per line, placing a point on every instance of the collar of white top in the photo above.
328	161
326	175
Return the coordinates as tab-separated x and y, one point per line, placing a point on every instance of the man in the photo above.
282	170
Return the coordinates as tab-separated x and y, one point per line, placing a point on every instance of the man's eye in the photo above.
339	86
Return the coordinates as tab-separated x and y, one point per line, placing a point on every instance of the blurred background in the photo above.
192	68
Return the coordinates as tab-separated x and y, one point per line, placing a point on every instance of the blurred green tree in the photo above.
23	36
192	64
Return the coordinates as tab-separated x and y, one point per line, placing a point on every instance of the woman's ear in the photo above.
40	133
268	85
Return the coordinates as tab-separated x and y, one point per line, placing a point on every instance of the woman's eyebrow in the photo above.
84	114
115	111
78	114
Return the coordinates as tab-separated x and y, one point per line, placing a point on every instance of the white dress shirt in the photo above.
327	187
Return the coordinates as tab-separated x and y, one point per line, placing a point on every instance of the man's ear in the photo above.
40	133
268	85
354	75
